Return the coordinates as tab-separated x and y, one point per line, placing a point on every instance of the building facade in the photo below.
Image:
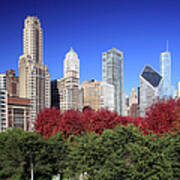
19	113
112	73
165	68
3	103
134	110
55	99
3	109
34	78
150	88
132	105
133	97
12	83
98	94
2	81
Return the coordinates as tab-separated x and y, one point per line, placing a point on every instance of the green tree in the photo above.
58	151
84	155
125	153
17	149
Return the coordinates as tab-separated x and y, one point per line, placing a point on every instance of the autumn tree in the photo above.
161	115
71	123
97	121
48	122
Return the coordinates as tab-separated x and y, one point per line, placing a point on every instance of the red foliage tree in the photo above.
71	123
161	115
98	120
48	122
176	123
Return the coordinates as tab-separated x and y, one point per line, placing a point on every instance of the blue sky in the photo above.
139	28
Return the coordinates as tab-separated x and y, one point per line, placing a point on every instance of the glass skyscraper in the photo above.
112	73
165	68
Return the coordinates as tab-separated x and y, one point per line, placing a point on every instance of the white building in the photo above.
150	88
2	81
70	92
34	78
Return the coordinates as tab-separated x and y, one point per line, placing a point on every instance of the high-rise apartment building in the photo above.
34	78
150	87
2	81
98	94
70	92
112	73
3	103
165	67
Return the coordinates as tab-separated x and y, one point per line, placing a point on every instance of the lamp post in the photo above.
32	167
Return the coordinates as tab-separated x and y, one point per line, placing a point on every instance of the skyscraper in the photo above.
34	78
150	87
70	92
112	73
165	67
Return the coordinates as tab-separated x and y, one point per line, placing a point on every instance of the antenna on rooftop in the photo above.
34	7
167	46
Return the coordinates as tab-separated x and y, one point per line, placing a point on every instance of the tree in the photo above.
71	123
97	121
58	152
84	155
125	153
17	150
48	122
161	115
176	123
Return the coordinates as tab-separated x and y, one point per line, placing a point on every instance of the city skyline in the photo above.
94	28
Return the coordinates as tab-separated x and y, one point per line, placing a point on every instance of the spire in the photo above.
167	46
71	50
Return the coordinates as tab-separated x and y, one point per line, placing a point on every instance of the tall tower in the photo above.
165	68
112	73
34	78
32	42
71	65
70	92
